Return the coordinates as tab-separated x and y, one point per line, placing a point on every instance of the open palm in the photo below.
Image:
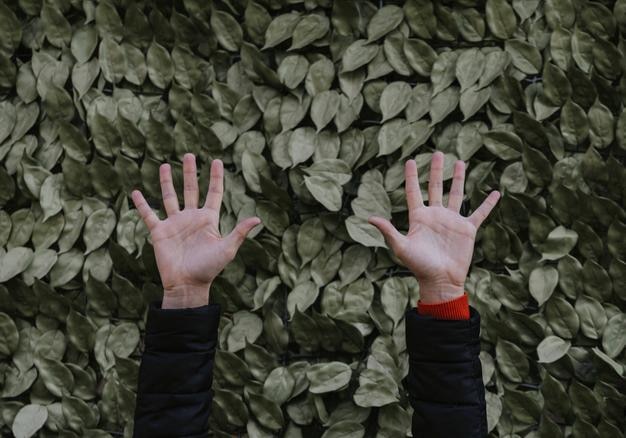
439	244
188	247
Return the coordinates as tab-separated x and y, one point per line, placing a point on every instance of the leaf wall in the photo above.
314	106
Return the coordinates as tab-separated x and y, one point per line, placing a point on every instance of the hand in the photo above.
188	247
439	245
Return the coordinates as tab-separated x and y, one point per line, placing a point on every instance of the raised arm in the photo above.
442	333
176	371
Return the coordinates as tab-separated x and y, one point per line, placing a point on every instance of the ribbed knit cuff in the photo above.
457	308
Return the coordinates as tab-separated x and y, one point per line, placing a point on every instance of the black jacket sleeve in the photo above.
445	379
176	372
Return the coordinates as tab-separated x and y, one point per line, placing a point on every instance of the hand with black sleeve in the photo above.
442	334
175	375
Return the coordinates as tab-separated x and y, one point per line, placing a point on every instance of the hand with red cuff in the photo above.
439	244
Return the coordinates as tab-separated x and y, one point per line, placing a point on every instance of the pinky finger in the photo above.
146	213
483	210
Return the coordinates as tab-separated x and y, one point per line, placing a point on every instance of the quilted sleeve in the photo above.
176	372
445	378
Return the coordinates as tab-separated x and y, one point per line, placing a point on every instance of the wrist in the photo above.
435	293
185	296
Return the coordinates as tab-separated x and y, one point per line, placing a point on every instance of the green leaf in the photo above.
384	21
469	67
552	348
363	232
573	123
29	420
496	62
500	18
56	377
345	429
137	67
392	135
330	168
542	282
84	43
14	261
394	98
78	414
372	199
108	21
394	297
123	339
98	227
327	191
524	56
232	406
112	59
10	30
57	29
592	316
504	144
601	125
562	317
473	99
227	30
279	385
266	411
358	54
614	335
312	27
302	143
80	331
328	377
559	242
556	86
320	76
443	104
324	108
419	55
247	327
160	66
302	297
10	336
281	28
376	389
58	103
512	361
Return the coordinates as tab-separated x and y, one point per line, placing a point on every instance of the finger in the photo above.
412	188
455	199
216	187
435	181
147	215
170	200
393	237
190	181
481	213
235	238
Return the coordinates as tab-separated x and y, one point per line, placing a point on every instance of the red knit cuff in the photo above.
457	308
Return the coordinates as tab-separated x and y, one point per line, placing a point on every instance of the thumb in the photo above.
235	238
393	236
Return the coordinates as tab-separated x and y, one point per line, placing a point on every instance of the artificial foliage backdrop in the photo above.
314	106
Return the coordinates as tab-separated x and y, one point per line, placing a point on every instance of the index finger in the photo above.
412	188
216	187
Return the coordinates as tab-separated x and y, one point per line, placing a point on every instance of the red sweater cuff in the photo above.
457	308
